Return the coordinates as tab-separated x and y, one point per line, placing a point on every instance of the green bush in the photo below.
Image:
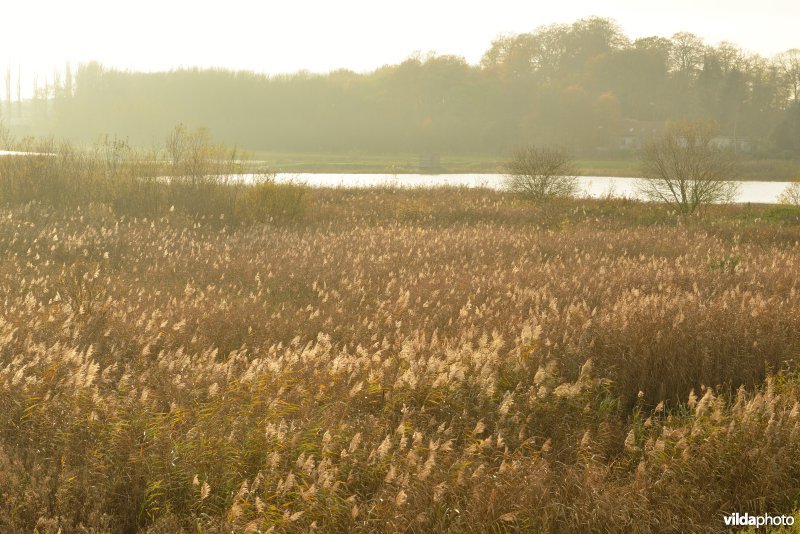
189	174
268	200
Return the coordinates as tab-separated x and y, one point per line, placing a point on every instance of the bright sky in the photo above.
321	35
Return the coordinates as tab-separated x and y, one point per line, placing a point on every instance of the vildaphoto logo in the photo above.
763	520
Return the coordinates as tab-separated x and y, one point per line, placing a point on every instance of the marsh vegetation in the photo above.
189	344
189	172
429	360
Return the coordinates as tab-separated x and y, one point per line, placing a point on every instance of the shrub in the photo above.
6	138
267	200
197	177
791	195
541	173
685	168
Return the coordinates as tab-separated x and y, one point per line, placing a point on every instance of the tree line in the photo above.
582	85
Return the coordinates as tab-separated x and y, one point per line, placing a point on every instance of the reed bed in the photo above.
398	360
190	174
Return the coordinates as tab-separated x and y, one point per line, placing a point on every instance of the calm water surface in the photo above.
591	186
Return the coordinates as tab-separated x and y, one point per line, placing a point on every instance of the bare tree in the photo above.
686	167
791	195
6	138
789	64
541	173
687	53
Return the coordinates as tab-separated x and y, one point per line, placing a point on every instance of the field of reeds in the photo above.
395	361
190	173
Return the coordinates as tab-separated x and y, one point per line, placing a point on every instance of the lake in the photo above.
14	153
591	186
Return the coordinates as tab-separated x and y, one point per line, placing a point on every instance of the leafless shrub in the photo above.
541	173
686	169
791	195
6	137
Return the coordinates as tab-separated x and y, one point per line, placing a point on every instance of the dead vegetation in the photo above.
417	361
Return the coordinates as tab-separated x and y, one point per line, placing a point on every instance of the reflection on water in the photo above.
591	186
13	153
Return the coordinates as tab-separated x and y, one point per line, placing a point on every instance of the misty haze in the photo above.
265	268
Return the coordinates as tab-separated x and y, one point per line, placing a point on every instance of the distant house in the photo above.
737	144
634	133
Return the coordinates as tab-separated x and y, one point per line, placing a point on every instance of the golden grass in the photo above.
189	174
447	360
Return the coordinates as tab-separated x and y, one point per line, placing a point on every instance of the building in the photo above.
634	133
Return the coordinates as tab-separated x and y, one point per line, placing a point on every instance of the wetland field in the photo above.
393	360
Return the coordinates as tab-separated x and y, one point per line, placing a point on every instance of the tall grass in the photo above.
189	173
461	363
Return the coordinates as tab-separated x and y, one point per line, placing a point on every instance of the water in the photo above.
590	186
13	153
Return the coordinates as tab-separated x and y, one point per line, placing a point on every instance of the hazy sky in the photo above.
289	35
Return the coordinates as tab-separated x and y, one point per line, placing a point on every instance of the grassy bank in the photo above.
189	174
395	360
751	169
290	162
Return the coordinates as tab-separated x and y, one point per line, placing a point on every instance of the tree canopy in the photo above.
579	85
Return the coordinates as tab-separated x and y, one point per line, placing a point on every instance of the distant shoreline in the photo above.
766	170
